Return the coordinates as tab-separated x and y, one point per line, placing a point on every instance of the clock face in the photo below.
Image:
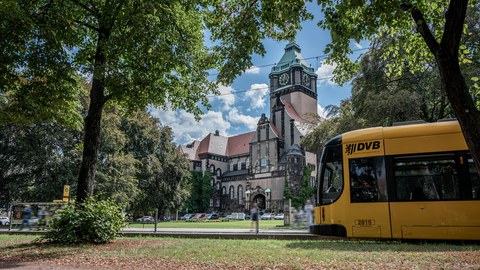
306	80
284	79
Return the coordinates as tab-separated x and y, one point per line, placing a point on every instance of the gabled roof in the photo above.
240	144
190	150
291	111
213	144
219	145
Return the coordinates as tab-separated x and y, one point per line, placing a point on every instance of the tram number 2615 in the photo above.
364	222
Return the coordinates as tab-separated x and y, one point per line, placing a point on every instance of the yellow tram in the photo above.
414	181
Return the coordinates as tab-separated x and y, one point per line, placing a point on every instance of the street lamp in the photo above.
247	195
268	191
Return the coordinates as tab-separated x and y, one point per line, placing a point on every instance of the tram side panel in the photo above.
433	197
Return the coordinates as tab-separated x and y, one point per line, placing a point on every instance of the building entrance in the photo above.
259	199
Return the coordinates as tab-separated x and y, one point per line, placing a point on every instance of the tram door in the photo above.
368	211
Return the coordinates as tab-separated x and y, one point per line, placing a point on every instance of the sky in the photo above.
239	106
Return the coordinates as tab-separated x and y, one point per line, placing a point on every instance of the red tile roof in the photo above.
240	144
275	130
291	111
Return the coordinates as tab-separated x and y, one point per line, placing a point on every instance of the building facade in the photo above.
254	167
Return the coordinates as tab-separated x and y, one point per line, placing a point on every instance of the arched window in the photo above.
231	192
219	172
224	190
240	194
212	169
218	185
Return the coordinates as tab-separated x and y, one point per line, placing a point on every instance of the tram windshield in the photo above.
331	174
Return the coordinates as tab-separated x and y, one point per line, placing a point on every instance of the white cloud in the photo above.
236	118
186	129
321	111
257	94
358	45
252	70
226	97
325	72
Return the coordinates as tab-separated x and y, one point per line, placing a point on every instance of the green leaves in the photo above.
94	221
374	20
239	27
201	191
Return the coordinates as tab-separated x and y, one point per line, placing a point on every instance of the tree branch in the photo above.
454	20
117	10
92	10
87	25
422	27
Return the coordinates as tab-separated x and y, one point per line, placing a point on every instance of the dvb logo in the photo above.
364	146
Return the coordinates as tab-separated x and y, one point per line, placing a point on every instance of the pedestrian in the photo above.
254	217
308	212
26	215
42	215
299	217
293	215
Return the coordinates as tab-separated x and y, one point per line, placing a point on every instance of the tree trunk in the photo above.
462	103
446	56
93	120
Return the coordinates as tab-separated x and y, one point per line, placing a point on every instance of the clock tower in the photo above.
293	94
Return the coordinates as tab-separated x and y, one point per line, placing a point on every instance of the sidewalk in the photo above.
280	233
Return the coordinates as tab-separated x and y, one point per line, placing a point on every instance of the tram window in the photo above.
368	180
332	170
474	180
426	178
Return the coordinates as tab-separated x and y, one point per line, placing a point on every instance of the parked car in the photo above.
187	216
33	221
4	221
146	219
266	216
212	216
199	215
279	216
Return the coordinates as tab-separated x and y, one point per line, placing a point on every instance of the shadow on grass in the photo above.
379	246
13	256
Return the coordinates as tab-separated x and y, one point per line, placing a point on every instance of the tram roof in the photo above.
402	131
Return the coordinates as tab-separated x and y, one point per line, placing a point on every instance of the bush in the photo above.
94	221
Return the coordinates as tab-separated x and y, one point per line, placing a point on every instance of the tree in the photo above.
136	53
36	161
118	168
162	172
339	119
306	190
201	191
439	29
382	100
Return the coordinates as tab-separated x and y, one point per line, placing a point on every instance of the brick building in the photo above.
255	166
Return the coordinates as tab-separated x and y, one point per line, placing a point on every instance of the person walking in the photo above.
254	217
308	209
26	215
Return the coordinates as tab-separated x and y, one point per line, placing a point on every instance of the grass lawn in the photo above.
18	251
242	224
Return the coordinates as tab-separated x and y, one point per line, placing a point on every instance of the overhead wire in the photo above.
323	56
